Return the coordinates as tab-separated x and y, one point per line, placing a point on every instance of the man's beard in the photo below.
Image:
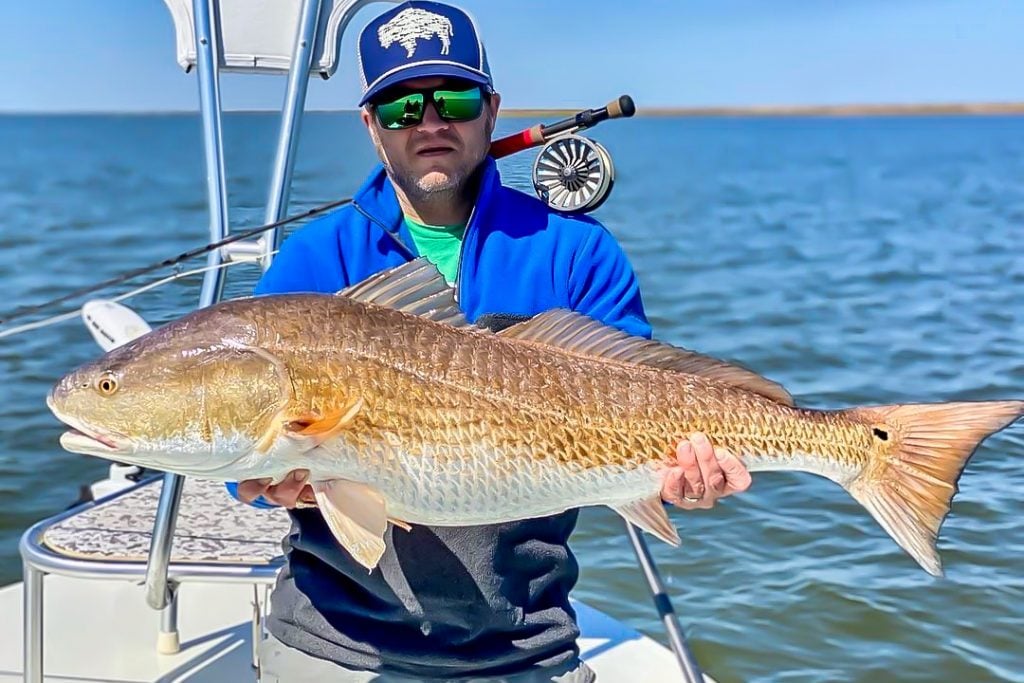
424	188
428	188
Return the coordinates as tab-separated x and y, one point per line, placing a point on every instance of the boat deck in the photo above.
101	630
98	626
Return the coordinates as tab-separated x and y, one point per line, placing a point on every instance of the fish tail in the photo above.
909	484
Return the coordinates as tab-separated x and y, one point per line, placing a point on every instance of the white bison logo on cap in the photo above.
410	25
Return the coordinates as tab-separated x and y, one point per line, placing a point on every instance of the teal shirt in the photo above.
439	244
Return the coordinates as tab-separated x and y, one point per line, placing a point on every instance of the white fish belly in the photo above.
488	487
839	472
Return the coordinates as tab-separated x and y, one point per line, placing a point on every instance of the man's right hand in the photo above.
292	492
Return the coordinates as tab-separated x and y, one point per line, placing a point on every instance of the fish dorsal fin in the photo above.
579	334
416	287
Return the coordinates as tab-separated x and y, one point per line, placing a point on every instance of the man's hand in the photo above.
702	475
293	491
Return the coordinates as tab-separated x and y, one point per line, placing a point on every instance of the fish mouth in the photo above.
87	441
78	441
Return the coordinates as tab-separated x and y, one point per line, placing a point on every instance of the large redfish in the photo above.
402	411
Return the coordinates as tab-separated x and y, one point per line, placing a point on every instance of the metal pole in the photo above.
257	626
291	120
207	56
32	618
687	662
168	642
157	592
208	60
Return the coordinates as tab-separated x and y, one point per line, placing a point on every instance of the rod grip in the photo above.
621	108
517	142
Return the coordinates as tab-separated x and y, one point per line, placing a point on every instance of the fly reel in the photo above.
573	174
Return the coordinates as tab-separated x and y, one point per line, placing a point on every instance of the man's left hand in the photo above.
703	474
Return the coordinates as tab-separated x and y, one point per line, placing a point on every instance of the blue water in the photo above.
854	260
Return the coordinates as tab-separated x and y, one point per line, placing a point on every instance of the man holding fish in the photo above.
451	413
489	600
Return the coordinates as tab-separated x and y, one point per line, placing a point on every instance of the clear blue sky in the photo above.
85	55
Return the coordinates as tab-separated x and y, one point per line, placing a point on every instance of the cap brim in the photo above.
424	71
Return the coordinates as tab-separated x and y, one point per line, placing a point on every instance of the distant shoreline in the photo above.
823	110
752	111
974	109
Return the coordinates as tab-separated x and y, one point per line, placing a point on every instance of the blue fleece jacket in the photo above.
449	601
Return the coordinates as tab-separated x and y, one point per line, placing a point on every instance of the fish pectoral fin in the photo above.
314	428
649	514
357	516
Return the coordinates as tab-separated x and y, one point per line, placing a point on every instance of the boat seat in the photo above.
212	527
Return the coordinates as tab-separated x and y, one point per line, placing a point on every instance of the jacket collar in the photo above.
376	198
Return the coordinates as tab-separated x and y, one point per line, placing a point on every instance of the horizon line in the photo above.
766	110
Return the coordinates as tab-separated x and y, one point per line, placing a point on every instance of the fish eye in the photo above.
106	384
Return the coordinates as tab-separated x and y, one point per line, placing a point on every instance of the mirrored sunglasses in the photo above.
406	110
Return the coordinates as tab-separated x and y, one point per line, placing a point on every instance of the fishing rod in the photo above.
199	251
623	107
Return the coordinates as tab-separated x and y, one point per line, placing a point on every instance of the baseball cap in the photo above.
418	39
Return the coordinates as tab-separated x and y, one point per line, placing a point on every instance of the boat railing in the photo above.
319	24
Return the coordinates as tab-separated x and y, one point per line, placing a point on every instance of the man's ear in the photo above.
493	105
364	114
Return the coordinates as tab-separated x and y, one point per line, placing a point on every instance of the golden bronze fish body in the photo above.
420	418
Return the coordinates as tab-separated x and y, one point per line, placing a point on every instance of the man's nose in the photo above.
432	121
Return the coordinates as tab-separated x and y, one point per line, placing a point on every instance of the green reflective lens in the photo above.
407	110
459	105
401	113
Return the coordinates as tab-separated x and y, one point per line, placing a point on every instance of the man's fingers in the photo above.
687	459
672	487
710	471
307	498
737	476
287	492
251	489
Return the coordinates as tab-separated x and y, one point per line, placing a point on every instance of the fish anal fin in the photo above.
649	514
576	333
357	516
920	452
416	287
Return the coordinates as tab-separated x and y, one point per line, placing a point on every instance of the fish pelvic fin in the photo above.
908	487
357	516
649	514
